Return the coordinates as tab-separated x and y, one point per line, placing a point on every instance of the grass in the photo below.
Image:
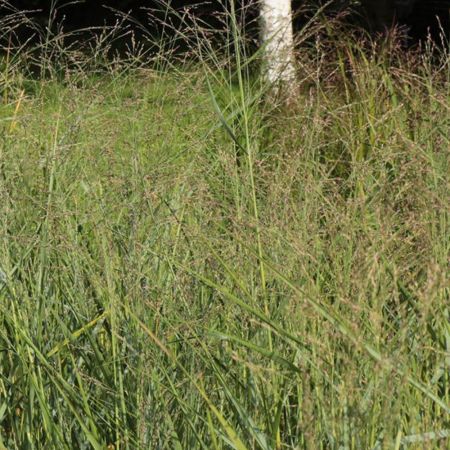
186	263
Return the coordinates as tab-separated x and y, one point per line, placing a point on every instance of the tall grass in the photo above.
189	262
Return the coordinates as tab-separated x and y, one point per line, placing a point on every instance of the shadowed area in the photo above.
420	17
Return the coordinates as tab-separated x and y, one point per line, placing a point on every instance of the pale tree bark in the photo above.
278	40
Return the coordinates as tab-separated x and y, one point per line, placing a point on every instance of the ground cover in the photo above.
186	264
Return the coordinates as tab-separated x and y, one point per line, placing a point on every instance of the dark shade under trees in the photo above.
420	17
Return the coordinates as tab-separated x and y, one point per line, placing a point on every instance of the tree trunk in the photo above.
278	40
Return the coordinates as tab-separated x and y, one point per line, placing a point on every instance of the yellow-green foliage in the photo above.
187	262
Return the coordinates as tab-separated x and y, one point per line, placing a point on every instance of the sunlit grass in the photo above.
187	262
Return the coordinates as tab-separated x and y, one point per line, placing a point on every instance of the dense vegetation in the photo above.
188	261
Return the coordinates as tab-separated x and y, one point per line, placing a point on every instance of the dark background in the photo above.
91	13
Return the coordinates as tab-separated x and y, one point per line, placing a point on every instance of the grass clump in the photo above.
185	265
